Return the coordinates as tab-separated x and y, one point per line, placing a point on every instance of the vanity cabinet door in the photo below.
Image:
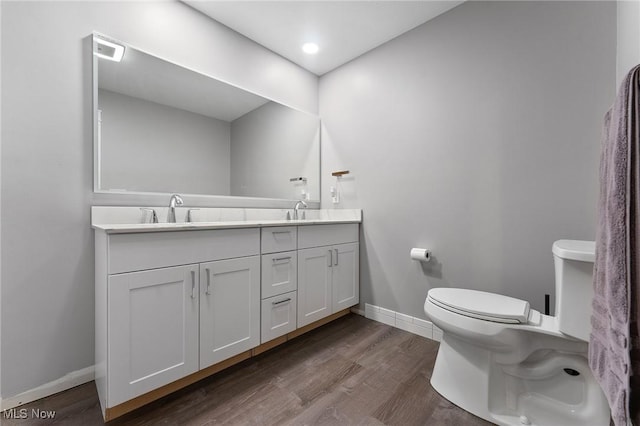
345	276
314	284
229	308
152	329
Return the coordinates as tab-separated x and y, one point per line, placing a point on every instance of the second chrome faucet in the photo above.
300	204
174	201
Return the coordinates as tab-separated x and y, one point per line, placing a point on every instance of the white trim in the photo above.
65	382
404	322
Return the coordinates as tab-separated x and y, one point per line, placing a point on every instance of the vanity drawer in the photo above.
278	316
327	235
279	273
281	238
137	252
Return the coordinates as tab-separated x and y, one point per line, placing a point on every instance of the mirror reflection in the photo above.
164	128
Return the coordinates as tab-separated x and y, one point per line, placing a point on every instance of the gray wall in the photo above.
475	135
184	152
47	244
270	145
628	37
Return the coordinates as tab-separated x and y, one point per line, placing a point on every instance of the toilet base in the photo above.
537	391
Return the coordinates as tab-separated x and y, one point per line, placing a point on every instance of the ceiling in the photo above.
343	30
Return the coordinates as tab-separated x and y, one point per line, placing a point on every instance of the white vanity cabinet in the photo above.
176	305
345	276
229	308
169	304
152	329
279	282
328	270
315	285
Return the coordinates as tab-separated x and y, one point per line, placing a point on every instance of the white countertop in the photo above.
122	220
123	228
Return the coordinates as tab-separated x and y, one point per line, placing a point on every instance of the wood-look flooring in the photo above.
353	371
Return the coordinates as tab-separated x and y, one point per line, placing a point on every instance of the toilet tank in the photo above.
574	286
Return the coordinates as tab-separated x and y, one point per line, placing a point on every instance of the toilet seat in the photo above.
481	305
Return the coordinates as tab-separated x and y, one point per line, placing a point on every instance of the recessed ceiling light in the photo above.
310	48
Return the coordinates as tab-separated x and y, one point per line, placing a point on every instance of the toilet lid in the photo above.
481	305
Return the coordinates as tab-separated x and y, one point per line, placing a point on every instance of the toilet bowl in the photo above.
511	365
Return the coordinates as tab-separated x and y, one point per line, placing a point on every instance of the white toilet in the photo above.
512	365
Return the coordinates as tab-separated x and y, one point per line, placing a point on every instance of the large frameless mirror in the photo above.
163	128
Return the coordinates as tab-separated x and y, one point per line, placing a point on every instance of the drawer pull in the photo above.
193	284
330	258
336	261
281	232
281	301
206	271
278	259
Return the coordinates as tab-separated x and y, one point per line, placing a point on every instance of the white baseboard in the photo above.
65	382
404	322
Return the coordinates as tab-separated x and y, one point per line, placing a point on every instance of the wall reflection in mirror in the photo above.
160	127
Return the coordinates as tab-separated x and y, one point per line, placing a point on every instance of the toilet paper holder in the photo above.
420	254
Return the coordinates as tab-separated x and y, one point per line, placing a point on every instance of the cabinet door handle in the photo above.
278	259
206	271
193	284
330	258
281	232
336	261
281	301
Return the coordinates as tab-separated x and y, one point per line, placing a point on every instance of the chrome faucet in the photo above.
297	207
174	201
